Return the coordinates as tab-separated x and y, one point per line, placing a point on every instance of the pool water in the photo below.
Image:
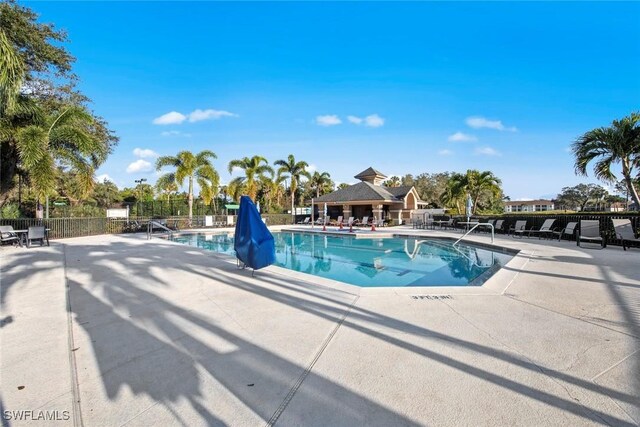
373	262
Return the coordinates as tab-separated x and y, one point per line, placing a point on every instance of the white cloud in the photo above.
481	122
198	115
312	168
175	133
487	151
445	152
144	153
172	118
104	177
523	199
373	121
355	120
139	166
209	114
462	137
328	120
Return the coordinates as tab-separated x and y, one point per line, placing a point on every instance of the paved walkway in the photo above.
164	334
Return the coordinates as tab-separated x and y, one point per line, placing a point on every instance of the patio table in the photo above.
22	235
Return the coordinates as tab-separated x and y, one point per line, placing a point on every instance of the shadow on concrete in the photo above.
164	359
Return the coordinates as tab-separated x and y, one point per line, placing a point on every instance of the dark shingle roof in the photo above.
358	192
368	172
399	192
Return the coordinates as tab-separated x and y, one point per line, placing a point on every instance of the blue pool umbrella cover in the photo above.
254	243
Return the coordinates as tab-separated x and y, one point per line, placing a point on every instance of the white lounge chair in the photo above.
365	221
305	222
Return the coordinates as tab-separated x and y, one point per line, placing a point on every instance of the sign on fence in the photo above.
118	213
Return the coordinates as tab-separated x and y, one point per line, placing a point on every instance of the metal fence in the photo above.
62	228
561	220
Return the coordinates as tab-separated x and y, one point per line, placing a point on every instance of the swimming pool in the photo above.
373	262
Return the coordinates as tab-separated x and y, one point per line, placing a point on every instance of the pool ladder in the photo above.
155	224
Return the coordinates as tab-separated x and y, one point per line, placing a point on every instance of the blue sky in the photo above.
405	88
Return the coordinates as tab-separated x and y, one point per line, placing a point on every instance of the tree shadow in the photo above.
153	346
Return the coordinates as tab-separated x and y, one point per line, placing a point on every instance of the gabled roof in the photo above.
399	192
369	172
359	192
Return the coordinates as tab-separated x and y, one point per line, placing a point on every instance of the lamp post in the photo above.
138	183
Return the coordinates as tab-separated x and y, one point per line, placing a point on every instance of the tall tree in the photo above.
295	171
253	168
166	185
394	181
480	186
62	139
191	167
579	196
618	143
320	183
37	86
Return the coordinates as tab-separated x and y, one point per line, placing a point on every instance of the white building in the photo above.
529	206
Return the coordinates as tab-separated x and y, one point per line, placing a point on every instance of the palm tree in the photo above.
474	183
253	168
63	139
191	167
272	190
320	182
167	185
295	170
12	72
394	181
619	143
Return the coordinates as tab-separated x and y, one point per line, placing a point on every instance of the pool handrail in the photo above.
473	228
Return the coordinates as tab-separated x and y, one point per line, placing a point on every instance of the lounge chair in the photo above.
364	222
545	230
319	221
37	233
624	232
520	228
8	235
338	221
305	222
570	229
379	222
590	232
498	226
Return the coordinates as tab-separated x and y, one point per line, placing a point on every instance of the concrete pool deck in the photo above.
119	330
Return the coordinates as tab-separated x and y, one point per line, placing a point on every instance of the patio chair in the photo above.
590	232
349	222
379	222
519	229
8	235
570	229
339	220
624	232
545	230
37	233
364	222
305	222
449	224
498	226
